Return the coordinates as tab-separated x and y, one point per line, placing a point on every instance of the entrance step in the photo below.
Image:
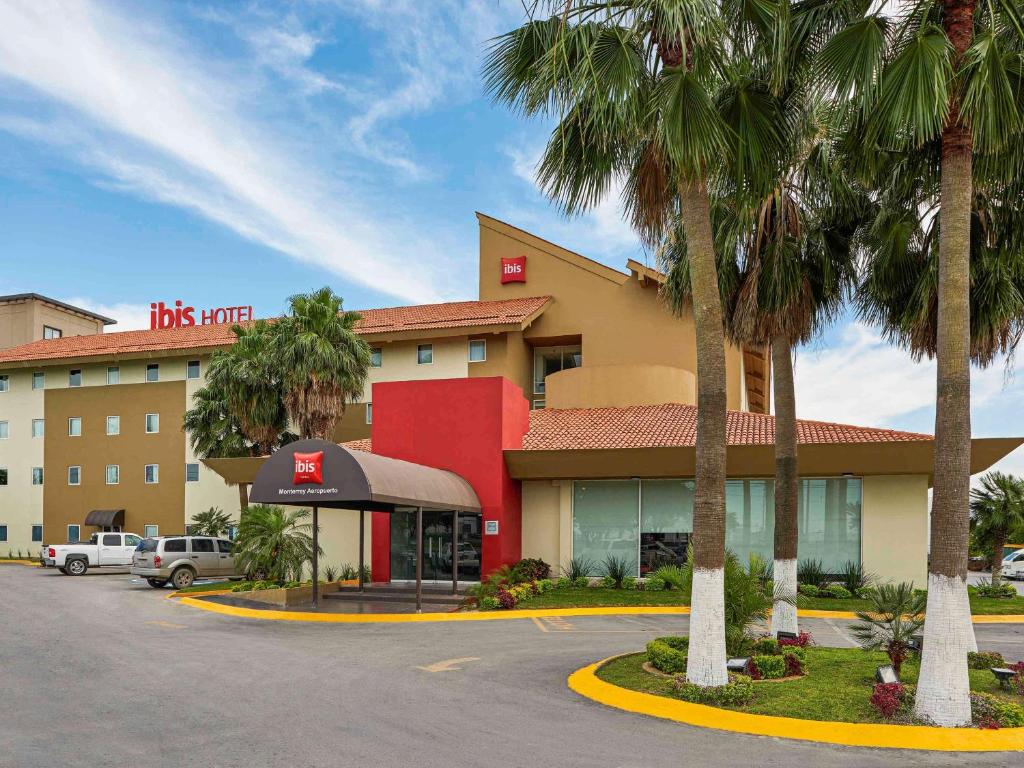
397	594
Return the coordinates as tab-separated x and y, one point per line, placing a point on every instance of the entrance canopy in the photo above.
105	518
323	474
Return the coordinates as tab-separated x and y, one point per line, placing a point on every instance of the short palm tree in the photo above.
211	522
997	509
644	92
895	615
939	83
323	361
274	543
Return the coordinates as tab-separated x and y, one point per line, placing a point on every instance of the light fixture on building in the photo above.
886	674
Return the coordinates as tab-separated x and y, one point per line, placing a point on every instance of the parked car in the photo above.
1013	565
180	560
102	550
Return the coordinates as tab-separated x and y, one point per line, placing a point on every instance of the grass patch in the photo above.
837	685
980	606
590	597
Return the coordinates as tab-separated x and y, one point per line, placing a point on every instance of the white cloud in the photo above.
130	317
158	119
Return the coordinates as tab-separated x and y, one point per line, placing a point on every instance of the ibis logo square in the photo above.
513	270
309	468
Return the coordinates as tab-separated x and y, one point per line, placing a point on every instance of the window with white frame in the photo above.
150	531
75	377
38	427
5	430
192	472
113	425
38	380
549	360
5	383
477	350
74	475
113	374
369	413
192	369
113	475
37	475
75	426
424	354
152	423
376	357
152	474
153	372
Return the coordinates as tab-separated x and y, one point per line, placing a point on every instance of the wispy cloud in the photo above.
130	317
159	120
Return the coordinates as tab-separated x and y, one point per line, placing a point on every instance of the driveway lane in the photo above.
99	671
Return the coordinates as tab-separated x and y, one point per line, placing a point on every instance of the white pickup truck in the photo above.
102	550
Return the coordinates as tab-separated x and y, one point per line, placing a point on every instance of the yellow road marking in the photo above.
586	683
540	624
448	665
166	625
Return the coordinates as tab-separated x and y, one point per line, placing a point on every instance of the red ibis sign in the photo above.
179	316
309	468
513	270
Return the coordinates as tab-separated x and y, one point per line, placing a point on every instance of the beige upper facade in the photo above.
27	317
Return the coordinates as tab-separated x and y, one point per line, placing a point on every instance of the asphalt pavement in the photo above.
102	670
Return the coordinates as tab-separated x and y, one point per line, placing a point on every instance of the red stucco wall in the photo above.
462	425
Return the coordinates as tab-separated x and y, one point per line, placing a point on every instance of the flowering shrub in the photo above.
739	690
988	711
794	664
505	598
1018	679
985	660
530	569
800	641
887	698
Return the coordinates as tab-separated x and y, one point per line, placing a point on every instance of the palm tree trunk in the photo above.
243	498
997	560
786	531
943	691
705	662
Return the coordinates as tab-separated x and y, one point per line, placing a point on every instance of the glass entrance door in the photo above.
437	546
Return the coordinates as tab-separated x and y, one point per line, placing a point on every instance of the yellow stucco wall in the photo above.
21	503
894	532
541	521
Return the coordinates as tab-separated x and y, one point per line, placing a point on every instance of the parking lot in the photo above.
102	670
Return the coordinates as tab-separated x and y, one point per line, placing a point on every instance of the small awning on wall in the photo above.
105	518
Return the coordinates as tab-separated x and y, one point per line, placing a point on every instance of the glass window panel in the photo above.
38	426
38	380
113	425
192	369
829	519
37	475
4	430
666	522
191	473
606	521
75	377
376	357
37	533
73	534
153	372
3	475
477	350
424	354
4	383
152	473
750	518
113	473
3	533
113	375
75	426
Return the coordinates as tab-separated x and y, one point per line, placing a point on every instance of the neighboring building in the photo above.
564	395
27	317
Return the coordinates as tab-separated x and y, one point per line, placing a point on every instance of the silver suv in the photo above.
182	559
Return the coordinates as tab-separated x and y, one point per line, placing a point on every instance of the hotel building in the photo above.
565	395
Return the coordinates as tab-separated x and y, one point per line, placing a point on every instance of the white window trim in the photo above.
421	346
42	386
113	434
150	535
5	383
79	468
71	419
106	475
38	421
81	377
156	475
381	351
32	476
8	435
146	373
469	348
146	424
199	365
369	413
117	369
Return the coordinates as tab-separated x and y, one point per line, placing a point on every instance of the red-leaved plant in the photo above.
794	667
886	698
801	641
1018	679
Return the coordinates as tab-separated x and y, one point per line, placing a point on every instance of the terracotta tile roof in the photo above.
456	314
358	445
675	425
459	314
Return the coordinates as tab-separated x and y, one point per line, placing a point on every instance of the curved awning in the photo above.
105	518
323	474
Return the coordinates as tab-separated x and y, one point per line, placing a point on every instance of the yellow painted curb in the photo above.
586	683
31	563
978	618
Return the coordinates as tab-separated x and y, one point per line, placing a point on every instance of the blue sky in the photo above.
238	152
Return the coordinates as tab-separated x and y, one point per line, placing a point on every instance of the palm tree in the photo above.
323	362
211	522
896	614
997	508
939	82
274	543
643	92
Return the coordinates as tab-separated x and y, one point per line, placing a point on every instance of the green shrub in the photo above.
608	582
674	576
616	569
770	667
794	650
651	584
581	582
629	582
489	604
854	577
578	567
986	708
808	590
544	585
530	569
837	591
738	691
985	588
811	572
985	660
668	654
765	646
242	586
563	582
